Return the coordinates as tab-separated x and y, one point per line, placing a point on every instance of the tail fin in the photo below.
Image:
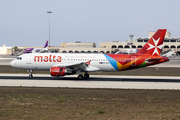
155	44
46	44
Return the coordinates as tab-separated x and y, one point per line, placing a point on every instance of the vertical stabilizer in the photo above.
46	44
154	46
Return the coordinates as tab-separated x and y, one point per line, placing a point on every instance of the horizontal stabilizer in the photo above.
154	59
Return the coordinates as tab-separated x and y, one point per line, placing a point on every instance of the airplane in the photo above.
169	53
61	64
35	50
126	51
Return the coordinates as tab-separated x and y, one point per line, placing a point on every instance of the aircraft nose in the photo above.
12	63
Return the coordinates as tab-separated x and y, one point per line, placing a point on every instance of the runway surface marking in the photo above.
96	81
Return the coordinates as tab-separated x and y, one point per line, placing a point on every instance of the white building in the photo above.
5	50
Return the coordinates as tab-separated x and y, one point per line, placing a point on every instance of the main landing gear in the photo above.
80	76
31	76
86	76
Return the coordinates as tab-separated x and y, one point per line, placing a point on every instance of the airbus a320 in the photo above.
61	64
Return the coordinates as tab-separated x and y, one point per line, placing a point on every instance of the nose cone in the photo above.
12	63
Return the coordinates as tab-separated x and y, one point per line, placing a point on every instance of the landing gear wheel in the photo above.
80	77
86	76
30	76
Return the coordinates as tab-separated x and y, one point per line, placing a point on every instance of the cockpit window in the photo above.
19	58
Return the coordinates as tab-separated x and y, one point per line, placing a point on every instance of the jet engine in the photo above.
61	71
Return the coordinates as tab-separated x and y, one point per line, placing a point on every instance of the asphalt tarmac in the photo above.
95	81
6	59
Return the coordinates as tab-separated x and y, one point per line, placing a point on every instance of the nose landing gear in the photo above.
31	76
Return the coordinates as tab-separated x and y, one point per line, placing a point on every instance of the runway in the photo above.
6	59
95	81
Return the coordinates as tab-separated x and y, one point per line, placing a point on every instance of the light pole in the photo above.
49	25
131	36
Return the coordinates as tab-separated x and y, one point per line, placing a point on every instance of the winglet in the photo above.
46	44
155	44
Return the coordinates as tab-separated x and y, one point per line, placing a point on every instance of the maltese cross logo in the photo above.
88	62
155	46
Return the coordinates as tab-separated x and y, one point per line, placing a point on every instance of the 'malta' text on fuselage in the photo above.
50	58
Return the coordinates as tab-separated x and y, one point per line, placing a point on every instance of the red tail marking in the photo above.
154	45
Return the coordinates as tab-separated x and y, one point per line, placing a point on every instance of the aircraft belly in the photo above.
44	66
103	64
107	67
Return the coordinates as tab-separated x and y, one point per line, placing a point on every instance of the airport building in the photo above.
107	47
5	50
78	47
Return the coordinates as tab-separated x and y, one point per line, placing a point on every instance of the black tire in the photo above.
30	76
80	77
86	76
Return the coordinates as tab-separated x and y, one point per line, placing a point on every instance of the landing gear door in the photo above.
133	60
28	60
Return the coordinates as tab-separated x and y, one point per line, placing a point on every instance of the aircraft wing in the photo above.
84	66
43	50
75	65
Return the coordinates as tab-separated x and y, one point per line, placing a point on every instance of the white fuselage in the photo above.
44	61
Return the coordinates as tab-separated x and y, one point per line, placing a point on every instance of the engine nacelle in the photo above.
58	71
61	71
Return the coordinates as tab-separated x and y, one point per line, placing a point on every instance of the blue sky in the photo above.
26	22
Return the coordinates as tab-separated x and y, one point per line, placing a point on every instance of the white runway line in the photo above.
91	84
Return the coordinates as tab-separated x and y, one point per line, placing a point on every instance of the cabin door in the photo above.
133	61
28	60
